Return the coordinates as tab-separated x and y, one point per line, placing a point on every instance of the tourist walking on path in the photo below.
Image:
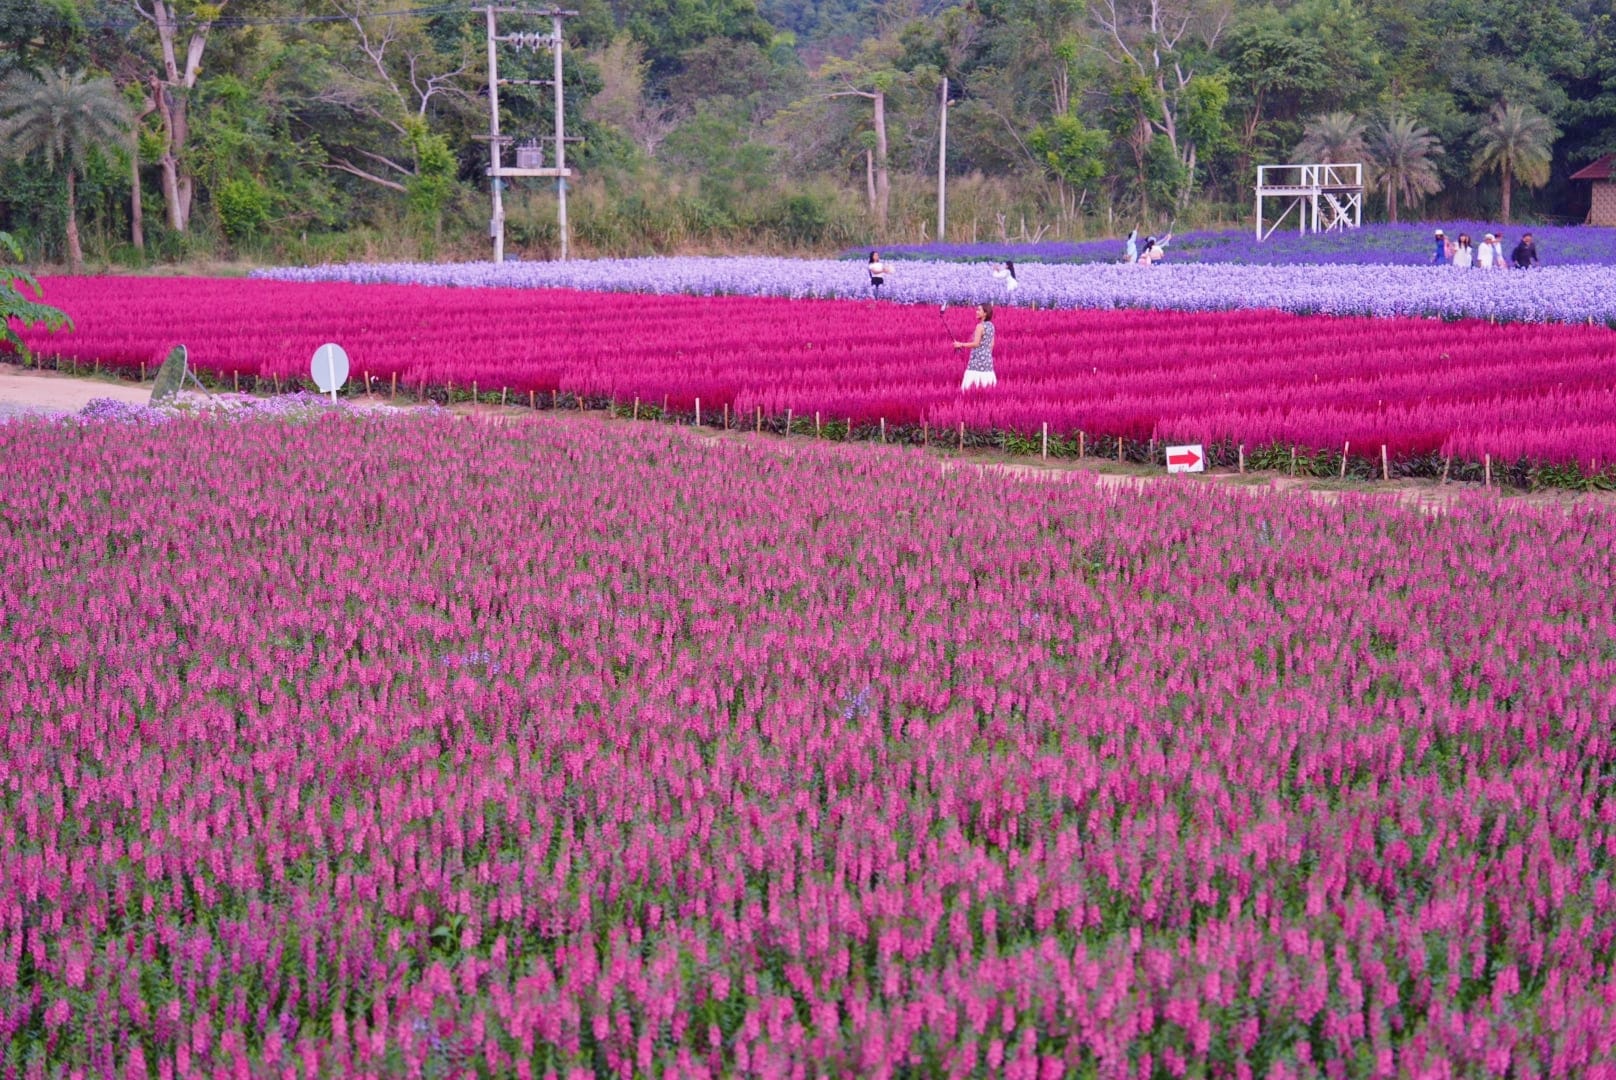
1525	254
878	273
1444	250
1464	255
979	369
1006	272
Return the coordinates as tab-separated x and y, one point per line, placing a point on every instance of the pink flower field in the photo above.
414	747
1437	395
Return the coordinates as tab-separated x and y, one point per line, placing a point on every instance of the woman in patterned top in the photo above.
979	370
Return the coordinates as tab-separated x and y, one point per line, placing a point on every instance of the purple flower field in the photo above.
1405	244
1568	294
381	746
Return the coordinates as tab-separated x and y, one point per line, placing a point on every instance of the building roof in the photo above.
1599	170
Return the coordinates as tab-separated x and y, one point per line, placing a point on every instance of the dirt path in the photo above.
25	392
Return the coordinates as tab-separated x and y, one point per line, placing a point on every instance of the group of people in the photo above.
1150	254
1488	255
979	365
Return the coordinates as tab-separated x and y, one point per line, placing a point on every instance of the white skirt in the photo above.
978	378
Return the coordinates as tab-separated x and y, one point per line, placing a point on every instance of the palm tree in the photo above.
62	117
1517	143
1333	139
1403	165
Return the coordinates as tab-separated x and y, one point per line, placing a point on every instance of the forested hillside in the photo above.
267	129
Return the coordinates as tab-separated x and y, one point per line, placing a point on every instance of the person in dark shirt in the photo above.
1525	254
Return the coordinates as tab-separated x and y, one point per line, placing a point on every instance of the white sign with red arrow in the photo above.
1186	459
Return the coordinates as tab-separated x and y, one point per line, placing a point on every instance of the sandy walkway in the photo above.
23	391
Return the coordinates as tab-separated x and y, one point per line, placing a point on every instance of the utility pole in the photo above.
529	158
942	162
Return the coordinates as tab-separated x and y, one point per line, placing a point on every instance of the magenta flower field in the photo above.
1437	395
417	747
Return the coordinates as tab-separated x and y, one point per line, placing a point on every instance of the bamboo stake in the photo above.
1242	451
1344	448
1385	468
1487	474
698	412
1046	439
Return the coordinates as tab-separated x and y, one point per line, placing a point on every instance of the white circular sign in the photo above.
329	368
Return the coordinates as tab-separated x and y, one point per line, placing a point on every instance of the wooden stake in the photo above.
1447	462
1344	448
962	436
726	416
817	430
1119	449
925	434
636	408
533	401
502	396
277	384
367	383
474	391
1293	461
1242	451
883	429
1385	467
1487	474
1080	444
395	386
698	412
788	421
1046	439
235	377
760	419
143	371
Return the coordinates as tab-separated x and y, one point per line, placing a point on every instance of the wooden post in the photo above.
636	408
1487	474
1446	463
1293	461
555	399
883	429
726	416
1242	451
502	392
1344	448
698	412
788	421
143	371
235	379
818	431
395	386
1119	449
1080	444
1385	467
962	436
533	400
474	391
760	419
277	384
664	406
1046	439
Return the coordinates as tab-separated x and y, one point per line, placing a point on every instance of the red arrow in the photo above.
1188	457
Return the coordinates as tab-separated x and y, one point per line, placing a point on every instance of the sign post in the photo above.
330	369
1186	459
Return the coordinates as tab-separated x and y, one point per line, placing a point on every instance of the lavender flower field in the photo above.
1564	294
411	746
1381	244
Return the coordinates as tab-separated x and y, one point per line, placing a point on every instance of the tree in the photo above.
1073	155
14	305
64	118
1517	142
171	88
869	76
1404	169
1333	139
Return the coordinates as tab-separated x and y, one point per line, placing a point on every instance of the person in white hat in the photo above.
1444	250
1486	252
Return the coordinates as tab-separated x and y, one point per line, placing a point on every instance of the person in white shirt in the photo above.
1498	253
878	273
1464	255
1485	253
1006	272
